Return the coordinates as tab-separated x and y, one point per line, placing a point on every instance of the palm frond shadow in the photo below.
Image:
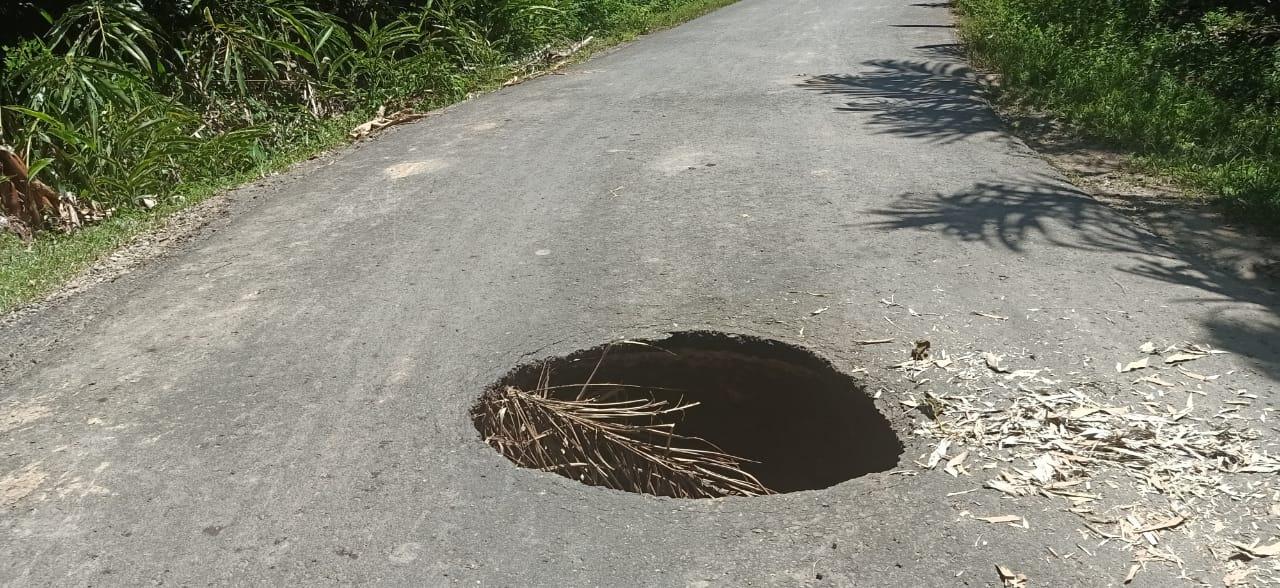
1010	215
1044	211
932	100
1231	324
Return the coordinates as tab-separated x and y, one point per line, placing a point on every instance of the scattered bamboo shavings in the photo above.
1075	441
873	341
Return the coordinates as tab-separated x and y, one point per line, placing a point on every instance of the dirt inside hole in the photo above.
795	422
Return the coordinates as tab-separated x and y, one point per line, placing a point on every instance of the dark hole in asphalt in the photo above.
801	423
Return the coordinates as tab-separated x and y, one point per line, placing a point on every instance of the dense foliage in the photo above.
121	100
1193	85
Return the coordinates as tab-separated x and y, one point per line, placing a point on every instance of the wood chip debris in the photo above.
955	465
939	452
1011	579
1134	365
1168	523
1133	572
1153	379
1256	550
991	316
1076	438
993	362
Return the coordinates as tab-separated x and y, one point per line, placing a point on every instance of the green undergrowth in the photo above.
151	109
1190	87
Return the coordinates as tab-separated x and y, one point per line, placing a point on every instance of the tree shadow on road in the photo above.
930	100
1010	215
1243	314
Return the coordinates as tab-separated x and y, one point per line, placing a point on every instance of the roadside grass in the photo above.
31	271
1196	97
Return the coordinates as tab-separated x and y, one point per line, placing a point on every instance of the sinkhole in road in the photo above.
693	415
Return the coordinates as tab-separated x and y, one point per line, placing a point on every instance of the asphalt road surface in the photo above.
284	399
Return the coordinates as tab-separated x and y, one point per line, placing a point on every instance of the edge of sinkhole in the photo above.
695	414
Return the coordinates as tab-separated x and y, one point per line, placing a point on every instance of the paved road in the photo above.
284	399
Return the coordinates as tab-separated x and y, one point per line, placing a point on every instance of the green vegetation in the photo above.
147	106
1191	86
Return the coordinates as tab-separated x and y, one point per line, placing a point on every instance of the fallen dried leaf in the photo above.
383	120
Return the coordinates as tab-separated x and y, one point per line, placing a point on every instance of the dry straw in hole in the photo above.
629	444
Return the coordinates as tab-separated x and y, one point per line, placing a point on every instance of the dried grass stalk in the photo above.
627	445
